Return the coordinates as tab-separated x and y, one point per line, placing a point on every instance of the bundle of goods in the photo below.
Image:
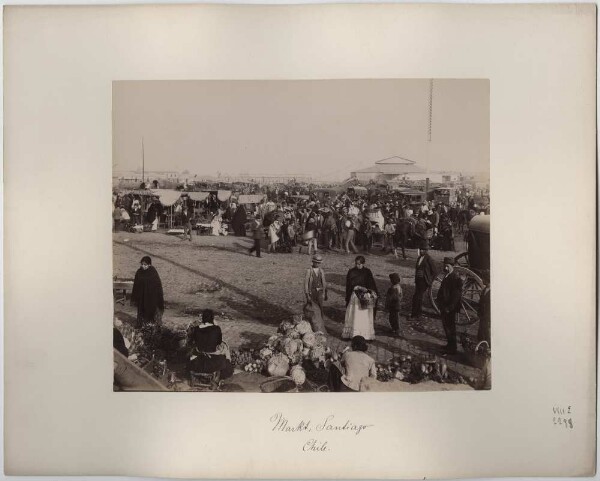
367	298
405	368
291	352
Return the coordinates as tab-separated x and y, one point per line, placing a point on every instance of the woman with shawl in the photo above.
147	293
239	221
359	321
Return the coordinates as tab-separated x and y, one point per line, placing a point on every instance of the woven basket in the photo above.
367	303
279	384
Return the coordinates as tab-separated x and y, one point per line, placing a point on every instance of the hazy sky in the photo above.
319	128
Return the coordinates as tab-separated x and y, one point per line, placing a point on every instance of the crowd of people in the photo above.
209	353
351	225
344	222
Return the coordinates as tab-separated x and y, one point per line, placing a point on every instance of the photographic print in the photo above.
301	236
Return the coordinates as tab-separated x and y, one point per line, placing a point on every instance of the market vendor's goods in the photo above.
367	298
309	339
293	334
266	353
298	374
317	353
303	327
278	365
321	339
275	341
292	346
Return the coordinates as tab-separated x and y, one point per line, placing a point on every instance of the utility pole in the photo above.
143	164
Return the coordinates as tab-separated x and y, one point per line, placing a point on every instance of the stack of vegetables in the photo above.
405	368
289	352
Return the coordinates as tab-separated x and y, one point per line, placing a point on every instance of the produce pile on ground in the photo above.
294	351
154	348
405	368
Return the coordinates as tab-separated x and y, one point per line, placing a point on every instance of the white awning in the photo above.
167	197
198	196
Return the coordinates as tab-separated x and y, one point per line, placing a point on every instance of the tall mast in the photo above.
143	163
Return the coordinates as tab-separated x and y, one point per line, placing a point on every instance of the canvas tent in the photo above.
251	198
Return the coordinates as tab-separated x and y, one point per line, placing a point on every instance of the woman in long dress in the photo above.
215	224
315	290
359	321
273	237
147	293
239	221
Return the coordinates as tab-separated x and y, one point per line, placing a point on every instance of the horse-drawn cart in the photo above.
471	267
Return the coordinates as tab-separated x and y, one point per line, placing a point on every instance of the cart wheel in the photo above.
472	288
462	260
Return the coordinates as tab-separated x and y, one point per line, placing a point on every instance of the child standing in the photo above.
393	300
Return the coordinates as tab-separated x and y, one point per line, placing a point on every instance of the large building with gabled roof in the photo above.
387	169
399	169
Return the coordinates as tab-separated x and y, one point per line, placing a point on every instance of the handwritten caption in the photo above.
316	430
562	416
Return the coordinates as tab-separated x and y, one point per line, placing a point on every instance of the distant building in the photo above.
149	175
390	169
397	170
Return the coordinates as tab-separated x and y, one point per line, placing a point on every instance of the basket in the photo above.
279	384
369	303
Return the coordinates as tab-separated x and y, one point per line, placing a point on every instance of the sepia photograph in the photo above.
301	236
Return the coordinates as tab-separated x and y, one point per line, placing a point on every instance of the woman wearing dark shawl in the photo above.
147	293
359	275
359	321
239	221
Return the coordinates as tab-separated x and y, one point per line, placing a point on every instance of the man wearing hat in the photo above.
258	234
449	302
425	272
315	291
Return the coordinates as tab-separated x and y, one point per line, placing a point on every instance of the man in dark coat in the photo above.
359	275
449	302
258	234
425	272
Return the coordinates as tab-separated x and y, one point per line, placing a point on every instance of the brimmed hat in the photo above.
424	246
449	260
317	258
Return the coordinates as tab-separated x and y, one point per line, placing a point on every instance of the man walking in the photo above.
258	234
425	273
448	301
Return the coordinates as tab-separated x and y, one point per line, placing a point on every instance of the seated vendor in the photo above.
355	365
208	352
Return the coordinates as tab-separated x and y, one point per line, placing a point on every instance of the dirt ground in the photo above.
264	290
255	294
